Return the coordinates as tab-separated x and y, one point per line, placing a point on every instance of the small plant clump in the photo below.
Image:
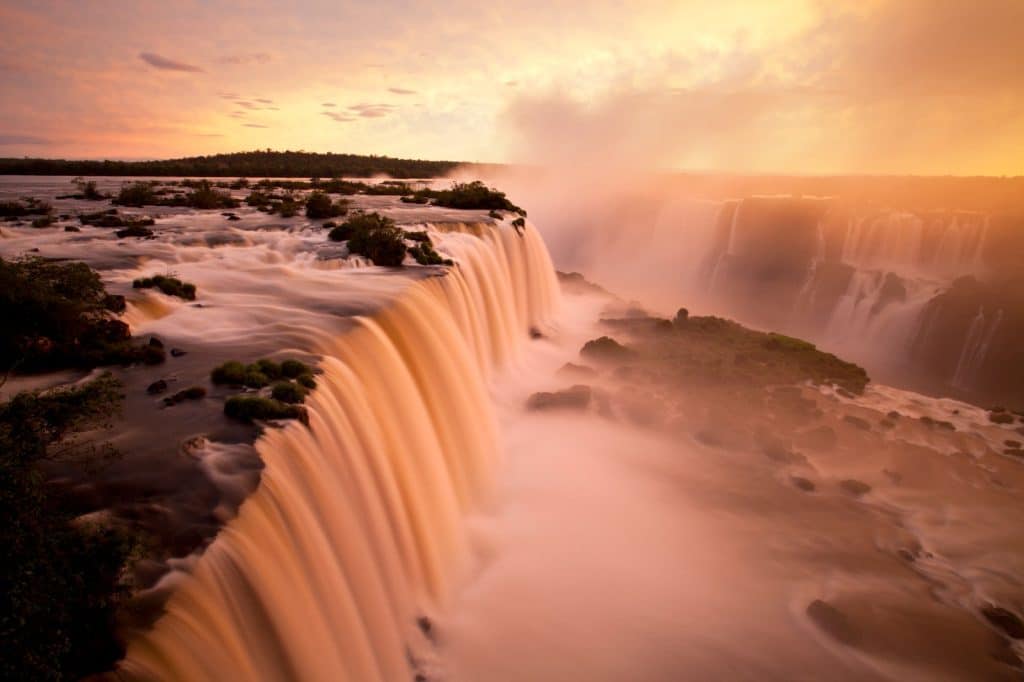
374	236
288	392
467	196
172	286
249	408
262	372
319	206
137	194
17	209
424	254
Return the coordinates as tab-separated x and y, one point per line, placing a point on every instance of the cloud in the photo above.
329	104
264	101
245	58
23	139
254	125
340	118
402	91
367	110
165	64
229	95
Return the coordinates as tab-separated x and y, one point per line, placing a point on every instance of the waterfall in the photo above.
356	523
976	345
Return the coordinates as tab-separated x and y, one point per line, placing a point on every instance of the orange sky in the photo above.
806	86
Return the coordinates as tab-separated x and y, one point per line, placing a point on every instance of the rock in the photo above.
998	417
156	387
854	487
426	627
605	348
570	369
155	342
906	555
177	352
193	393
1006	621
1010	443
536	333
72	228
857	422
842	392
682	315
802	483
832	622
575	398
894	415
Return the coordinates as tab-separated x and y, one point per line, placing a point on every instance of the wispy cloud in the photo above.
402	91
367	110
165	64
264	101
340	118
245	58
255	125
23	139
330	104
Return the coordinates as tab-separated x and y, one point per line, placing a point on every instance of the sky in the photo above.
793	86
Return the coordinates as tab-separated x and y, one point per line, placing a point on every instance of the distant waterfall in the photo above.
357	518
976	346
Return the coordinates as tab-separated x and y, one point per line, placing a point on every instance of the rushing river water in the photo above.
426	524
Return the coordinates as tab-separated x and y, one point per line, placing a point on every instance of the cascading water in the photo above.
355	524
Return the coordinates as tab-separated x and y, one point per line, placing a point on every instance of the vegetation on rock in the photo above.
62	578
57	315
172	286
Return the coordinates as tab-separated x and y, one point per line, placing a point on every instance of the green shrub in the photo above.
374	236
248	408
306	380
204	196
172	286
136	194
467	195
288	392
425	254
320	206
231	372
45	221
268	368
16	209
294	368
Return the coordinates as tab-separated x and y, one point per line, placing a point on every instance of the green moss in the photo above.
306	380
268	368
248	408
424	254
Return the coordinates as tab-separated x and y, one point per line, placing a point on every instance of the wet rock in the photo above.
1004	620
832	621
893	414
155	342
854	487
192	393
426	626
802	483
844	393
177	352
1000	417
134	231
156	387
906	555
1010	443
857	422
575	398
535	333
72	228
